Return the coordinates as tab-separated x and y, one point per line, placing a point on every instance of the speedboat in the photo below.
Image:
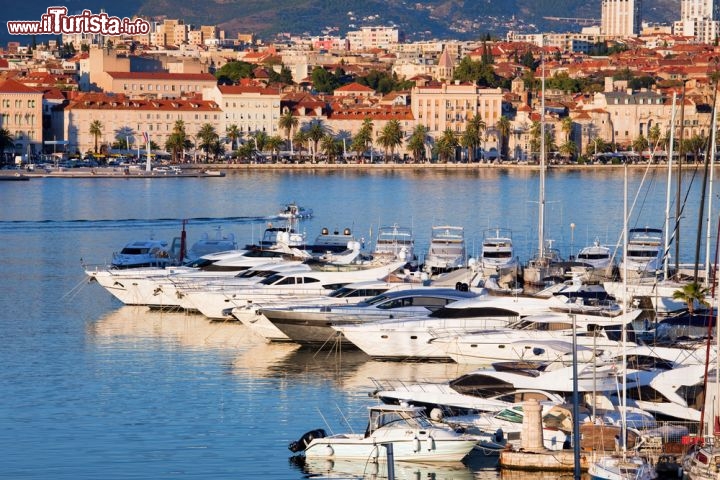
293	211
644	256
144	253
447	249
412	436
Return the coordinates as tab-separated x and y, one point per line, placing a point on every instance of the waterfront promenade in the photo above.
217	169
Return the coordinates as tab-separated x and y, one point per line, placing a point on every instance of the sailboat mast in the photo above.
623	412
666	256
713	149
541	201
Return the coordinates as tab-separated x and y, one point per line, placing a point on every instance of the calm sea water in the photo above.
93	389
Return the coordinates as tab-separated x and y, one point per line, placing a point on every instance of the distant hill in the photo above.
461	19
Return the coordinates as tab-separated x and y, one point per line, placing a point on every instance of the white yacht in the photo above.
491	389
311	324
395	241
644	256
498	256
144	253
252	317
218	300
447	249
594	263
155	286
544	338
413	437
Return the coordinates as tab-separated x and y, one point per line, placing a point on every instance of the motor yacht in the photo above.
498	256
311	324
396	242
252	317
216	301
594	263
644	256
144	253
413	437
447	249
544	338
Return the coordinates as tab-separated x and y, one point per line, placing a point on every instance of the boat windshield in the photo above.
398	419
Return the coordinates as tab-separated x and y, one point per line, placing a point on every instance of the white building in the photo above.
620	18
373	37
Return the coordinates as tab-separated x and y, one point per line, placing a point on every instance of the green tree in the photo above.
331	146
695	144
691	294
207	135
640	144
6	141
417	142
233	71
299	139
472	136
446	145
568	150
96	130
274	143
363	139
391	137
315	131
324	81
124	136
234	134
503	128
289	123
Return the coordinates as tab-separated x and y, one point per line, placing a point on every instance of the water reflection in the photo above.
142	325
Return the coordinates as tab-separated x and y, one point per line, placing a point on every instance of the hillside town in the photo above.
193	94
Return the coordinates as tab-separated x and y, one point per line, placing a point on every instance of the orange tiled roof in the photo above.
100	101
13	86
240	89
354	87
162	76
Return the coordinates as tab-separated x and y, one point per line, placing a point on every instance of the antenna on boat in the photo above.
344	418
325	421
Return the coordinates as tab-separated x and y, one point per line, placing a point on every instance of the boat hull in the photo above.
416	447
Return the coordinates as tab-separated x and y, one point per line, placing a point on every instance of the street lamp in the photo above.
572	240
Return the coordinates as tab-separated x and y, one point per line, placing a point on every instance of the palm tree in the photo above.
566	125
315	131
391	137
446	145
503	128
300	138
123	135
233	133
6	140
417	142
96	130
273	144
472	136
288	123
691	293
331	146
568	150
363	139
207	135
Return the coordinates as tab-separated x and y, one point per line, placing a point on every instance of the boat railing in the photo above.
398	385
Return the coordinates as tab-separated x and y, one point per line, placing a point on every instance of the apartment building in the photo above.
620	18
120	113
251	108
157	84
374	37
440	106
21	115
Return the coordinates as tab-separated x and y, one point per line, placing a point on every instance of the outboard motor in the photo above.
304	441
